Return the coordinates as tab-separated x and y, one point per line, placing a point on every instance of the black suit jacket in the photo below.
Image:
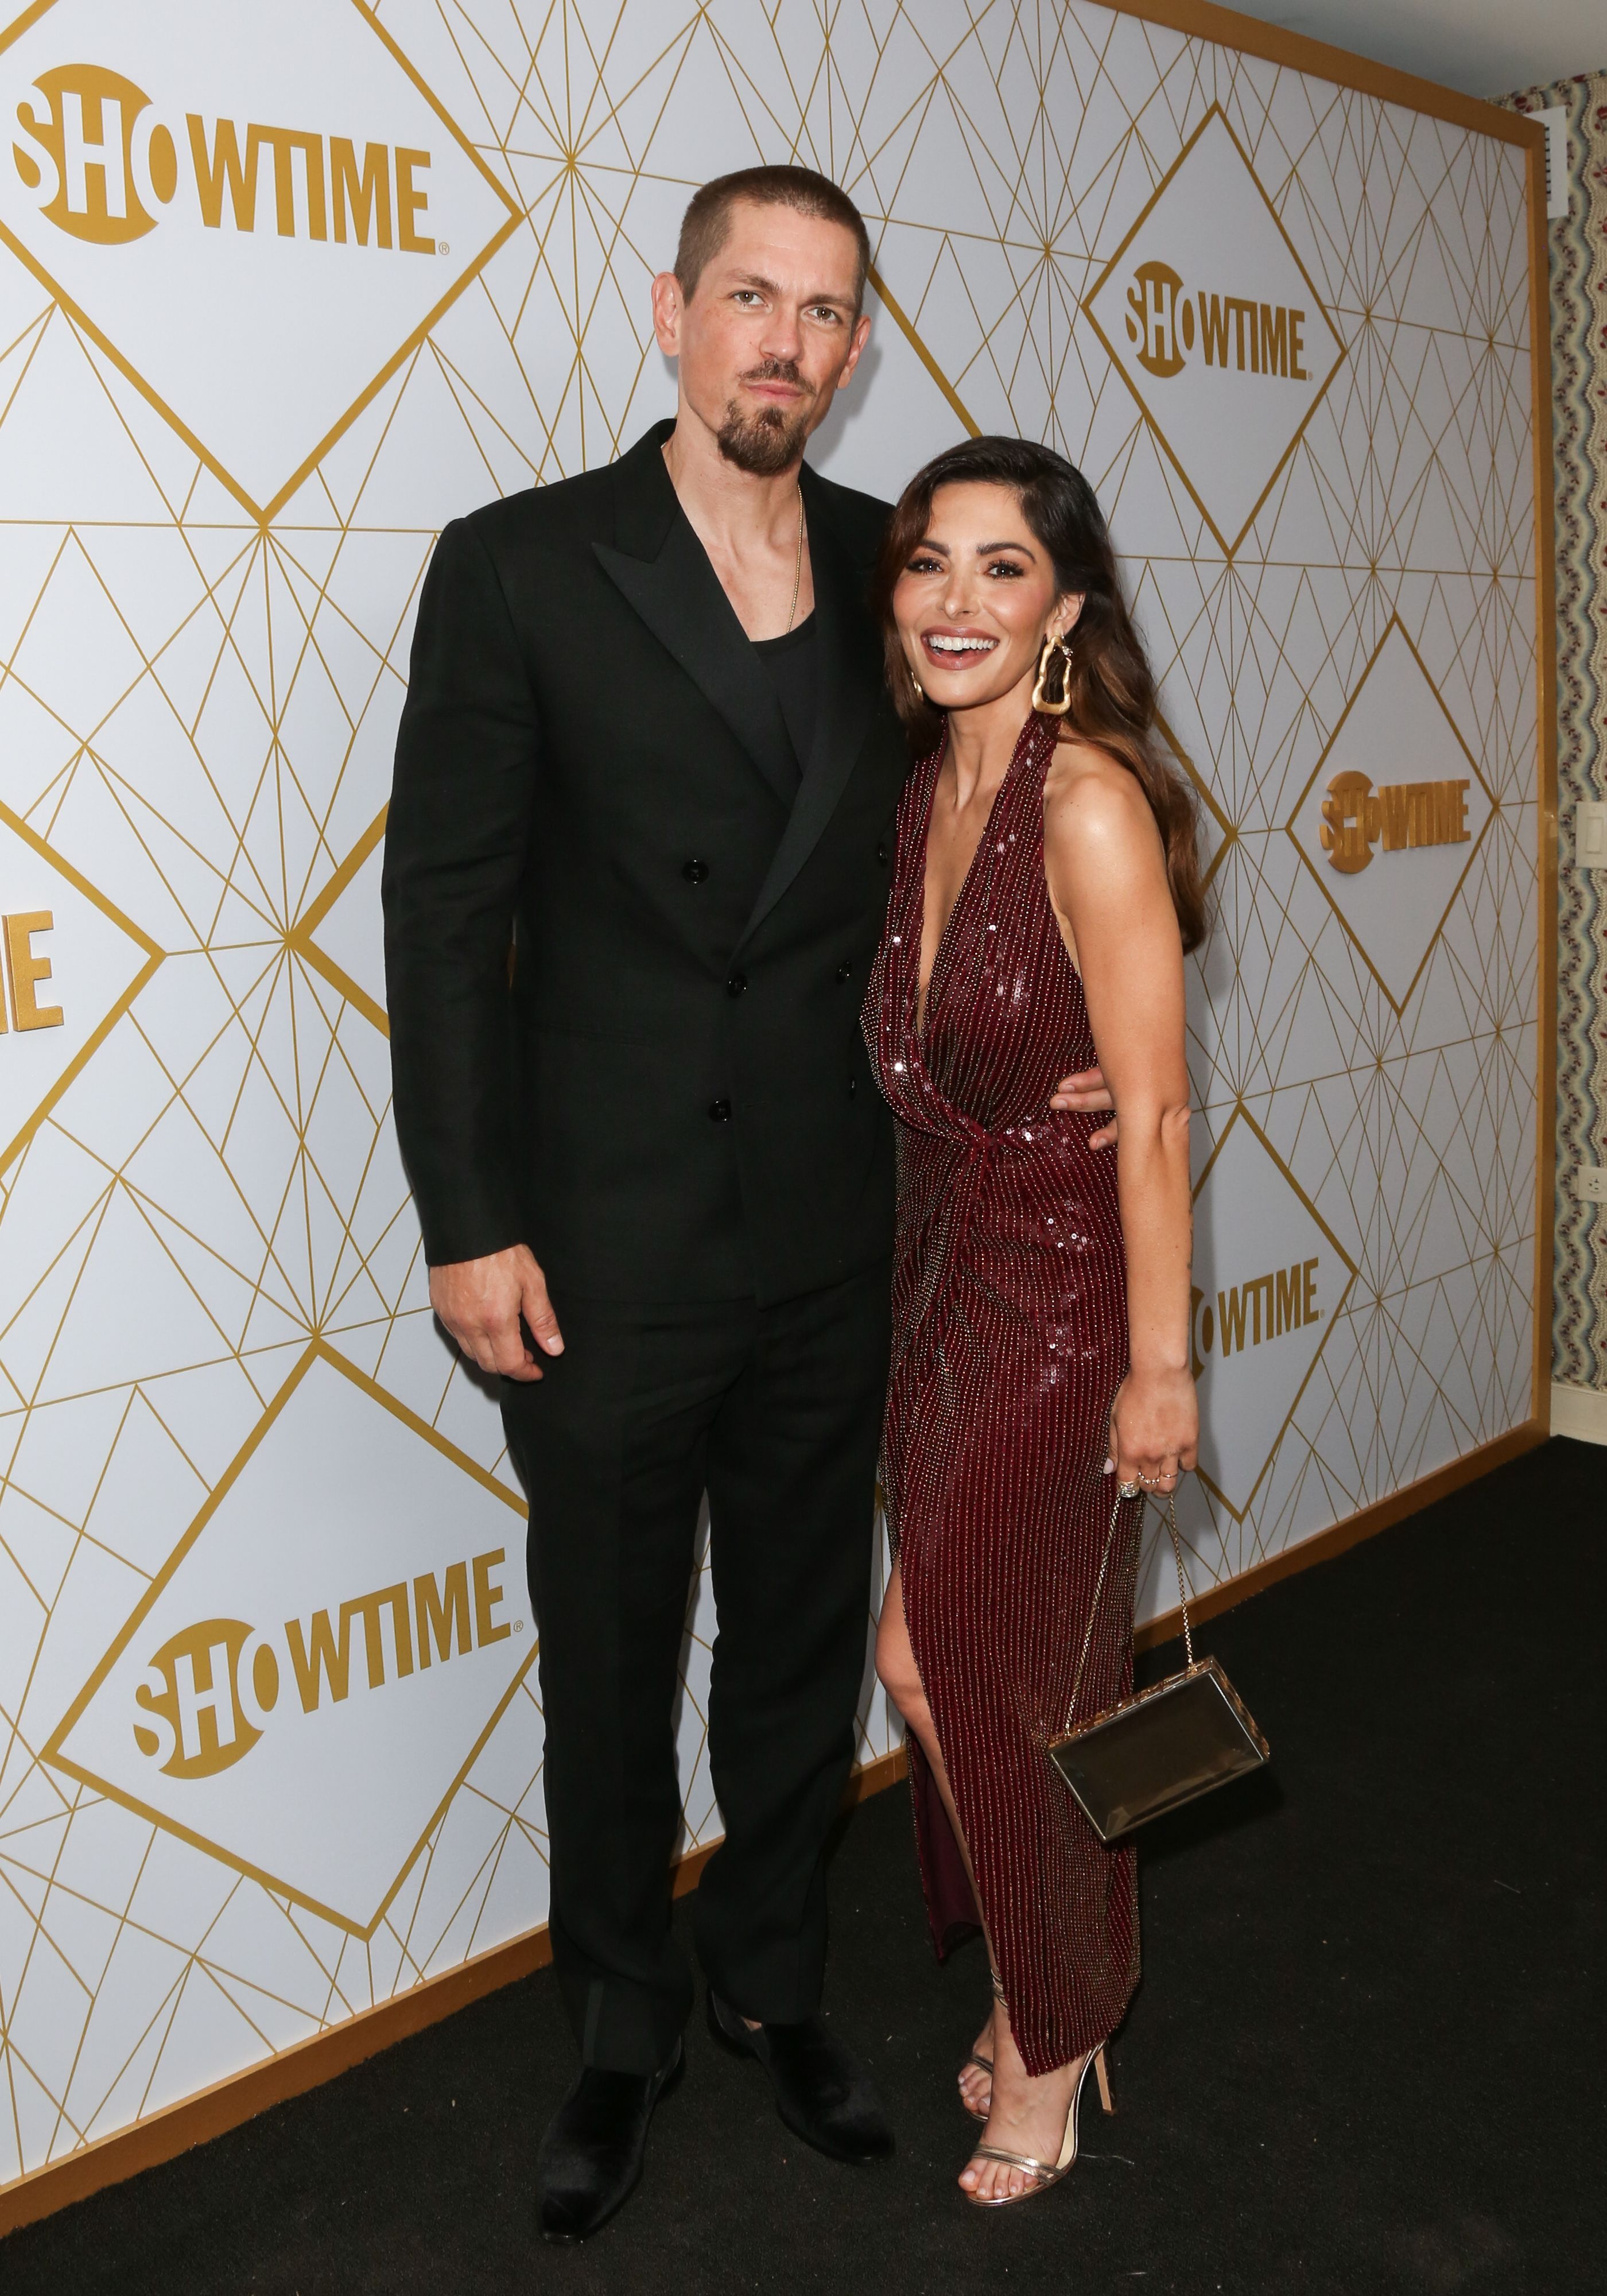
670	1098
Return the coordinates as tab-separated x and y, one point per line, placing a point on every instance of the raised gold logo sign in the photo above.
1234	330
97	161
1264	1308
1404	813
208	1694
26	972
88	148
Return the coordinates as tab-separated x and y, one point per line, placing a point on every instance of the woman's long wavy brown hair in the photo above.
1112	691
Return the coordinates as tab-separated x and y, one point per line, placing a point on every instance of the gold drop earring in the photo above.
1051	647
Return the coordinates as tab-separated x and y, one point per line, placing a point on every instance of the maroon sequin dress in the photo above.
1009	1341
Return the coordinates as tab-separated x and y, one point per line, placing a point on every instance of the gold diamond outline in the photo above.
906	327
1228	548
1242	1113
154	958
1291	831
1203	791
264	513
299	937
317	1349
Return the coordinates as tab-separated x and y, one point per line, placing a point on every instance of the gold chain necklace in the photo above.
797	567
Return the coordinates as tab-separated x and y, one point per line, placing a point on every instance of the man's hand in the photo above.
1087	1089
480	1302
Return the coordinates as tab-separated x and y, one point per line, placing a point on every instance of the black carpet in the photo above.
1366	2054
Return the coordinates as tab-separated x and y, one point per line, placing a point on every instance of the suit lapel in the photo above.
662	571
850	683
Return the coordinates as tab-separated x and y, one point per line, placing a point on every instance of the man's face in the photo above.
769	333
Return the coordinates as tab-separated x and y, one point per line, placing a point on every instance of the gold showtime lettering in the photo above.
1406	815
26	972
1248	1315
319	184
96	160
209	1693
320	1657
1235	331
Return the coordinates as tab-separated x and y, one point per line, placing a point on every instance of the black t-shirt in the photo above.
793	664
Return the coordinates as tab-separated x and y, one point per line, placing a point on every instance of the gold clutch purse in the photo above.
1166	1745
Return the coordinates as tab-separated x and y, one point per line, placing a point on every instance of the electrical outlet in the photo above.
1592	1182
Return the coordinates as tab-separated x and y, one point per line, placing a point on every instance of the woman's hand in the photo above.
1155	1429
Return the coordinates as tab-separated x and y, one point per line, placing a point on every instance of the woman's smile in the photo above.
950	648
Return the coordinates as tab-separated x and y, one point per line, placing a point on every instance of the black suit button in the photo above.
881	853
853	1086
720	1110
736	984
695	872
844	969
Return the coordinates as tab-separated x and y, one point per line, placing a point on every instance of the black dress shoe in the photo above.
590	2161
821	2094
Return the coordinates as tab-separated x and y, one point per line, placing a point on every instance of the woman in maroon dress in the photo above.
1045	888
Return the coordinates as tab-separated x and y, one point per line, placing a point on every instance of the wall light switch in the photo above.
1555	121
1592	1182
1590	836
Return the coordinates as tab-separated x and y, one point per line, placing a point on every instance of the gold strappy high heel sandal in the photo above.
984	2065
1045	2173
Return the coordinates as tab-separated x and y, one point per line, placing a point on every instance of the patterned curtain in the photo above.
1578	373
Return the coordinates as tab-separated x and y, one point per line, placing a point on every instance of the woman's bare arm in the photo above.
1108	884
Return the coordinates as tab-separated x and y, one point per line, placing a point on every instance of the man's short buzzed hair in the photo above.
707	222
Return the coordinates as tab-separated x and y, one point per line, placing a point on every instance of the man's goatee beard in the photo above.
764	444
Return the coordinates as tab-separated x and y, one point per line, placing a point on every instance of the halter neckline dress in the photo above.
1009	1342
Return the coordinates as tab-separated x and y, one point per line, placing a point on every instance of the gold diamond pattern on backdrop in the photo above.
197	712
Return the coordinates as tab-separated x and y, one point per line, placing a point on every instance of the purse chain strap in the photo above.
1104	1565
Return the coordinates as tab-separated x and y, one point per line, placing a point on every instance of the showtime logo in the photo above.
198	201
1391	858
315	1672
102	167
1235	333
209	1693
1217	328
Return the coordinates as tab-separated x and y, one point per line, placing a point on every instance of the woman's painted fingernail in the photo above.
1109	1468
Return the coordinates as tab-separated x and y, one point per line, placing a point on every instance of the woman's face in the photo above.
976	597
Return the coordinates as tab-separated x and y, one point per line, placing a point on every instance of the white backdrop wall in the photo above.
270	1749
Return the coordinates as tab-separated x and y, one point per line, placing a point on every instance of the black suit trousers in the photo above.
775	1411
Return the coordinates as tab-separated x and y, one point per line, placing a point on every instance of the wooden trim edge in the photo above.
1325	1545
307	2064
1226	28
1546	859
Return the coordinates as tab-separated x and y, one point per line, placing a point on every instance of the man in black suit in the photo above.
635	870
646	739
